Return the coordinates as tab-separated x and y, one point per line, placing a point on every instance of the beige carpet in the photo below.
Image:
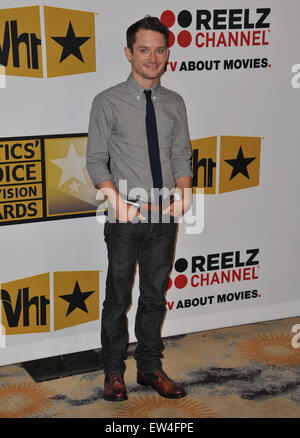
248	371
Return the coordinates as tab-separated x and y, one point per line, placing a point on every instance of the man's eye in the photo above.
161	51
143	50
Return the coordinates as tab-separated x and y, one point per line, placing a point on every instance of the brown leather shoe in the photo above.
114	387
159	380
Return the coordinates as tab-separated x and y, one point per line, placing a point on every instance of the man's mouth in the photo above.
152	66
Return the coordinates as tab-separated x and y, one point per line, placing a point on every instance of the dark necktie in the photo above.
152	138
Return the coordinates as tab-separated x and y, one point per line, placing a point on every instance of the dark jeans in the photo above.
152	245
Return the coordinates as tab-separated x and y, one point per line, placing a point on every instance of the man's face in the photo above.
149	56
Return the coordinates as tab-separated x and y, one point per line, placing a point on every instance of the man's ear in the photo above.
128	53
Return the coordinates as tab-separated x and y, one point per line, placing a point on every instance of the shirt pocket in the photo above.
165	128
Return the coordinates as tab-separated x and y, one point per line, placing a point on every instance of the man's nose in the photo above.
153	56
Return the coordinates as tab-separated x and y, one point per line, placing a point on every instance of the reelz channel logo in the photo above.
218	28
244	26
215	269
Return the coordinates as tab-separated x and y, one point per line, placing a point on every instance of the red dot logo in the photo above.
184	38
167	18
171	39
184	19
180	281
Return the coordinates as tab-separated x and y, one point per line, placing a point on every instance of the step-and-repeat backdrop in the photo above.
237	65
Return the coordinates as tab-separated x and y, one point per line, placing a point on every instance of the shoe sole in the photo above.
114	399
161	393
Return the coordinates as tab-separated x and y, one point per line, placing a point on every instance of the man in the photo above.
139	149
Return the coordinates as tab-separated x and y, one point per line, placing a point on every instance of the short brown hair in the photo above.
148	23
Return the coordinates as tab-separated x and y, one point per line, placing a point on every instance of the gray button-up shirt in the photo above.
117	146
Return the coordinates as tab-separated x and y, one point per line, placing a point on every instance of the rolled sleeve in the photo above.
181	146
100	127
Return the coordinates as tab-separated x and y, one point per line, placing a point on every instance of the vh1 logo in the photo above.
69	40
234	165
27	303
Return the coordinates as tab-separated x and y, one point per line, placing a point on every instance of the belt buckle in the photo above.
133	202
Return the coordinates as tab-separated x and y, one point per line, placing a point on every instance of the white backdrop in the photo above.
258	103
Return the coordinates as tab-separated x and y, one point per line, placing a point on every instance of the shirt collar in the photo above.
138	90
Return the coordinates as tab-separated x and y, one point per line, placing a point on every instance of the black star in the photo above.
76	299
240	164
71	44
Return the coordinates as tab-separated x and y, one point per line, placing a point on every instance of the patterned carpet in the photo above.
249	371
